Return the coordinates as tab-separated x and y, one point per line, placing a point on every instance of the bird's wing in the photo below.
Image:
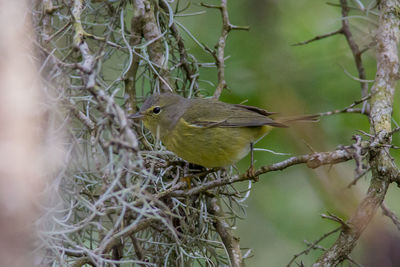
209	114
255	109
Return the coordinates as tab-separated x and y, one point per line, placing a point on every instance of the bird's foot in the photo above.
251	173
188	180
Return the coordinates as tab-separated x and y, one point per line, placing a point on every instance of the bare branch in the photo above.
349	109
312	246
152	34
138	249
345	30
313	161
136	38
320	37
335	218
219	53
387	212
358	177
354	48
184	58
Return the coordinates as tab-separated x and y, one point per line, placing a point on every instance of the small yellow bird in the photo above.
205	132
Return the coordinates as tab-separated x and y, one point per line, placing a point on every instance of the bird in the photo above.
206	131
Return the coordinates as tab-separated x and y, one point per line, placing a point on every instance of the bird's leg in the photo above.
251	172
186	176
252	156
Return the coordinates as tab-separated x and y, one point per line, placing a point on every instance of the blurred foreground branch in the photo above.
22	136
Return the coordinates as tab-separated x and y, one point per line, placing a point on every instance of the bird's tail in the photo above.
302	118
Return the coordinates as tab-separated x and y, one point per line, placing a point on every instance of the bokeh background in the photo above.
266	70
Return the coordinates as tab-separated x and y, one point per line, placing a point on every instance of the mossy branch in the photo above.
382	165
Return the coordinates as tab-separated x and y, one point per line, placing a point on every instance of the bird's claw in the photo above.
188	180
251	173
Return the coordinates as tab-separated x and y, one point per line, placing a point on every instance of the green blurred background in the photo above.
265	70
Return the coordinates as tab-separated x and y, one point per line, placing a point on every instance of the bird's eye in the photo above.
156	110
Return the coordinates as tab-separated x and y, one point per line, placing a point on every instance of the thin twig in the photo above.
387	212
335	218
319	37
349	109
312	246
358	177
184	58
219	53
354	48
345	30
136	38
151	32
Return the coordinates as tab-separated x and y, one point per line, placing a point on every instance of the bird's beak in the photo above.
137	116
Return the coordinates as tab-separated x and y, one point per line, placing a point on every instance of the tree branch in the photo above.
129	230
345	30
387	212
219	53
354	48
313	161
184	58
152	34
231	242
349	109
312	246
320	37
136	38
380	118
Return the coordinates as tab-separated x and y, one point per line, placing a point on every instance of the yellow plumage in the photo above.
212	147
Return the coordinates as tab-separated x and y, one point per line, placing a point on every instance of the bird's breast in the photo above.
212	146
